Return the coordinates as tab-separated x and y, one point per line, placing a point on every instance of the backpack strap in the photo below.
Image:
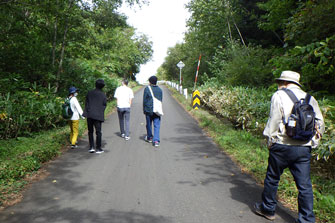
307	98
291	95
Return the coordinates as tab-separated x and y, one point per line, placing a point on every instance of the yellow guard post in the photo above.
196	99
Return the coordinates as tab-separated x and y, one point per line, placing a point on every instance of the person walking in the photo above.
74	120
150	116
124	96
95	105
286	152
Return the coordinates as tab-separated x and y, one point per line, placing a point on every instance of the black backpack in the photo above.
66	109
301	122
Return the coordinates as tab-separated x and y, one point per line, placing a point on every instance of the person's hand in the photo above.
83	117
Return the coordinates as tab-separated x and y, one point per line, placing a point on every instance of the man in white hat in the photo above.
286	152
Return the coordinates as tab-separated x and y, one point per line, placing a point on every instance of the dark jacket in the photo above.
95	105
147	99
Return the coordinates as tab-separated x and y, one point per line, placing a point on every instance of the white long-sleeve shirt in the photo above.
281	106
76	108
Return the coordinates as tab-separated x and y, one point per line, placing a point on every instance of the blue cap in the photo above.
72	90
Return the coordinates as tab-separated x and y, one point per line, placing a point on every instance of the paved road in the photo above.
187	179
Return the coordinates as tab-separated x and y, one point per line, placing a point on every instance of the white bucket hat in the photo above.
291	76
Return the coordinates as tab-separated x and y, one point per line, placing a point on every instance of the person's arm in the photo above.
145	93
116	95
78	107
104	103
85	114
319	121
275	118
131	96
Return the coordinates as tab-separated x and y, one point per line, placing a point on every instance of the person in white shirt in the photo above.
77	113
124	96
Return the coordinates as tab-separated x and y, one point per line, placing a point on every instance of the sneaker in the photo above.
122	135
126	138
99	151
148	139
156	143
74	146
91	150
259	210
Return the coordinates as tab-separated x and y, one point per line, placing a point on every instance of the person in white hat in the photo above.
286	152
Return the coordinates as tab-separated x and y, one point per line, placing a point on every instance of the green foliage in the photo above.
316	63
278	12
23	112
48	46
250	152
22	156
42	42
327	147
248	108
312	21
239	66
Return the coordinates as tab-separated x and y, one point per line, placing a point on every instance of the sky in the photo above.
164	22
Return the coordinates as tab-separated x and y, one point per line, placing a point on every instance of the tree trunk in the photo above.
60	66
54	43
61	59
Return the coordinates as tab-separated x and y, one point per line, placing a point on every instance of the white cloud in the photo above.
164	22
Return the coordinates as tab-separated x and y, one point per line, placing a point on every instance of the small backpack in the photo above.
301	122
66	109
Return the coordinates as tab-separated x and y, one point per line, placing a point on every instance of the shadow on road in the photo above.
219	168
71	215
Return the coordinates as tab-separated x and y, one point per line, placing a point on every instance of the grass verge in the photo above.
251	154
22	159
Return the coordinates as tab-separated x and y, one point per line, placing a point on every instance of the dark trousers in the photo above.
297	159
91	125
124	116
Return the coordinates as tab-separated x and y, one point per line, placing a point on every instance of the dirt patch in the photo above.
16	197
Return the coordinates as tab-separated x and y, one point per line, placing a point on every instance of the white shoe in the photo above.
127	138
91	150
148	139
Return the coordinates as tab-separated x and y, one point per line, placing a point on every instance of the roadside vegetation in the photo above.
45	48
244	45
251	153
22	158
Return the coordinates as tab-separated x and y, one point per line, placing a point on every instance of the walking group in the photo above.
95	105
294	127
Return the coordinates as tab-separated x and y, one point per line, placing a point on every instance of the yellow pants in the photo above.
74	126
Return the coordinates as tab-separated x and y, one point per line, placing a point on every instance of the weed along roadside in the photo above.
251	154
22	159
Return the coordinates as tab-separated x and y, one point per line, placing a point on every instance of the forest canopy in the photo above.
249	43
48	46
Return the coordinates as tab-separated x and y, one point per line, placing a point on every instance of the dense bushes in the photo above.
314	61
237	65
34	109
248	108
25	112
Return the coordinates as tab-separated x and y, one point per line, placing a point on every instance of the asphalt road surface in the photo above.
187	179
